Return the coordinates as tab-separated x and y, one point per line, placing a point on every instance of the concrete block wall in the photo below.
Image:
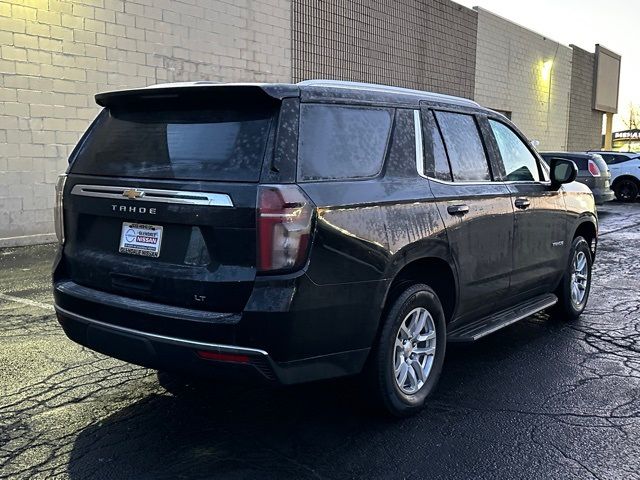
56	54
527	74
429	45
585	124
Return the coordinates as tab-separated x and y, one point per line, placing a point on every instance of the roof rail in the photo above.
387	89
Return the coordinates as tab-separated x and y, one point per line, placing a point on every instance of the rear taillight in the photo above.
58	209
593	169
284	217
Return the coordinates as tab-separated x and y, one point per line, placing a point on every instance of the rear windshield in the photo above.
189	144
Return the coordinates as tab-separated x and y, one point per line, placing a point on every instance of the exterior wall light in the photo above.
545	71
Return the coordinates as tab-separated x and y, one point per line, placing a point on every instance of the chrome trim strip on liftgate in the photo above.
154	195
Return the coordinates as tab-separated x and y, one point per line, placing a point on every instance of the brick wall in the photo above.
429	45
525	73
56	54
585	124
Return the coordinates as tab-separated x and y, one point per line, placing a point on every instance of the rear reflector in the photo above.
223	357
593	169
284	220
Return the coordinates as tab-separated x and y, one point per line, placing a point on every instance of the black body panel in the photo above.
207	255
495	255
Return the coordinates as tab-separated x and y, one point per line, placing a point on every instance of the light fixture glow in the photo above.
545	71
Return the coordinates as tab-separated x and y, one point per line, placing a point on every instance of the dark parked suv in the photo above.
592	171
301	232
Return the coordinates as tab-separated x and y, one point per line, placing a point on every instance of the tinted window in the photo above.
440	168
519	162
401	156
177	144
580	161
612	158
464	146
342	142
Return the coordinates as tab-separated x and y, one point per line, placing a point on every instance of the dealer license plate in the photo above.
141	239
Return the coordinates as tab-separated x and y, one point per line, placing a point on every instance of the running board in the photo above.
470	332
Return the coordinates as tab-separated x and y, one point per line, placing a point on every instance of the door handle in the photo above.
522	203
457	209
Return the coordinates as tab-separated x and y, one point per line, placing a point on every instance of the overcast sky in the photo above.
614	24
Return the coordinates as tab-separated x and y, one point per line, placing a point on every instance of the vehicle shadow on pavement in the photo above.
307	431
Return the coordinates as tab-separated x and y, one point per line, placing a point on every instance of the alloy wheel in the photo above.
579	278
414	350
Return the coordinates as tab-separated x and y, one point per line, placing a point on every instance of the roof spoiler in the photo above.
198	92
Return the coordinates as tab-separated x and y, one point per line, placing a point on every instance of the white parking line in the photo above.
26	301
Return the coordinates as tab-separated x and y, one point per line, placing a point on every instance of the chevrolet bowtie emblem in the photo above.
133	193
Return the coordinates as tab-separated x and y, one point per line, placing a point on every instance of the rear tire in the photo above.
574	288
626	190
407	360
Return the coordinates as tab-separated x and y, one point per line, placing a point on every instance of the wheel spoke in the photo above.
582	262
398	360
424	350
420	323
412	323
404	332
412	377
401	375
427	336
419	372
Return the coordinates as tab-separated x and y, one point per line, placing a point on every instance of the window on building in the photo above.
464	147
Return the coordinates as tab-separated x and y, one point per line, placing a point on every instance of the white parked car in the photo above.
625	174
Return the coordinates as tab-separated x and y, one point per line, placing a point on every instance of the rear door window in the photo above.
342	142
519	163
189	144
440	168
464	147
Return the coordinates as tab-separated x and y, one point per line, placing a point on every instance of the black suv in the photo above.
301	232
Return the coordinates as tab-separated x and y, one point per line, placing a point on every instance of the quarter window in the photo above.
339	142
519	162
464	147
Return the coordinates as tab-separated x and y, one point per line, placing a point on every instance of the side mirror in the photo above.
562	171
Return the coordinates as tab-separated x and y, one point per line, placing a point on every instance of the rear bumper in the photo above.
173	339
601	189
602	195
162	352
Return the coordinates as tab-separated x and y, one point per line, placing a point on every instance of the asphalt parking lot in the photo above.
540	399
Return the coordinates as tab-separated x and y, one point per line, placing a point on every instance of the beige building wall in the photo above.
56	54
524	73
